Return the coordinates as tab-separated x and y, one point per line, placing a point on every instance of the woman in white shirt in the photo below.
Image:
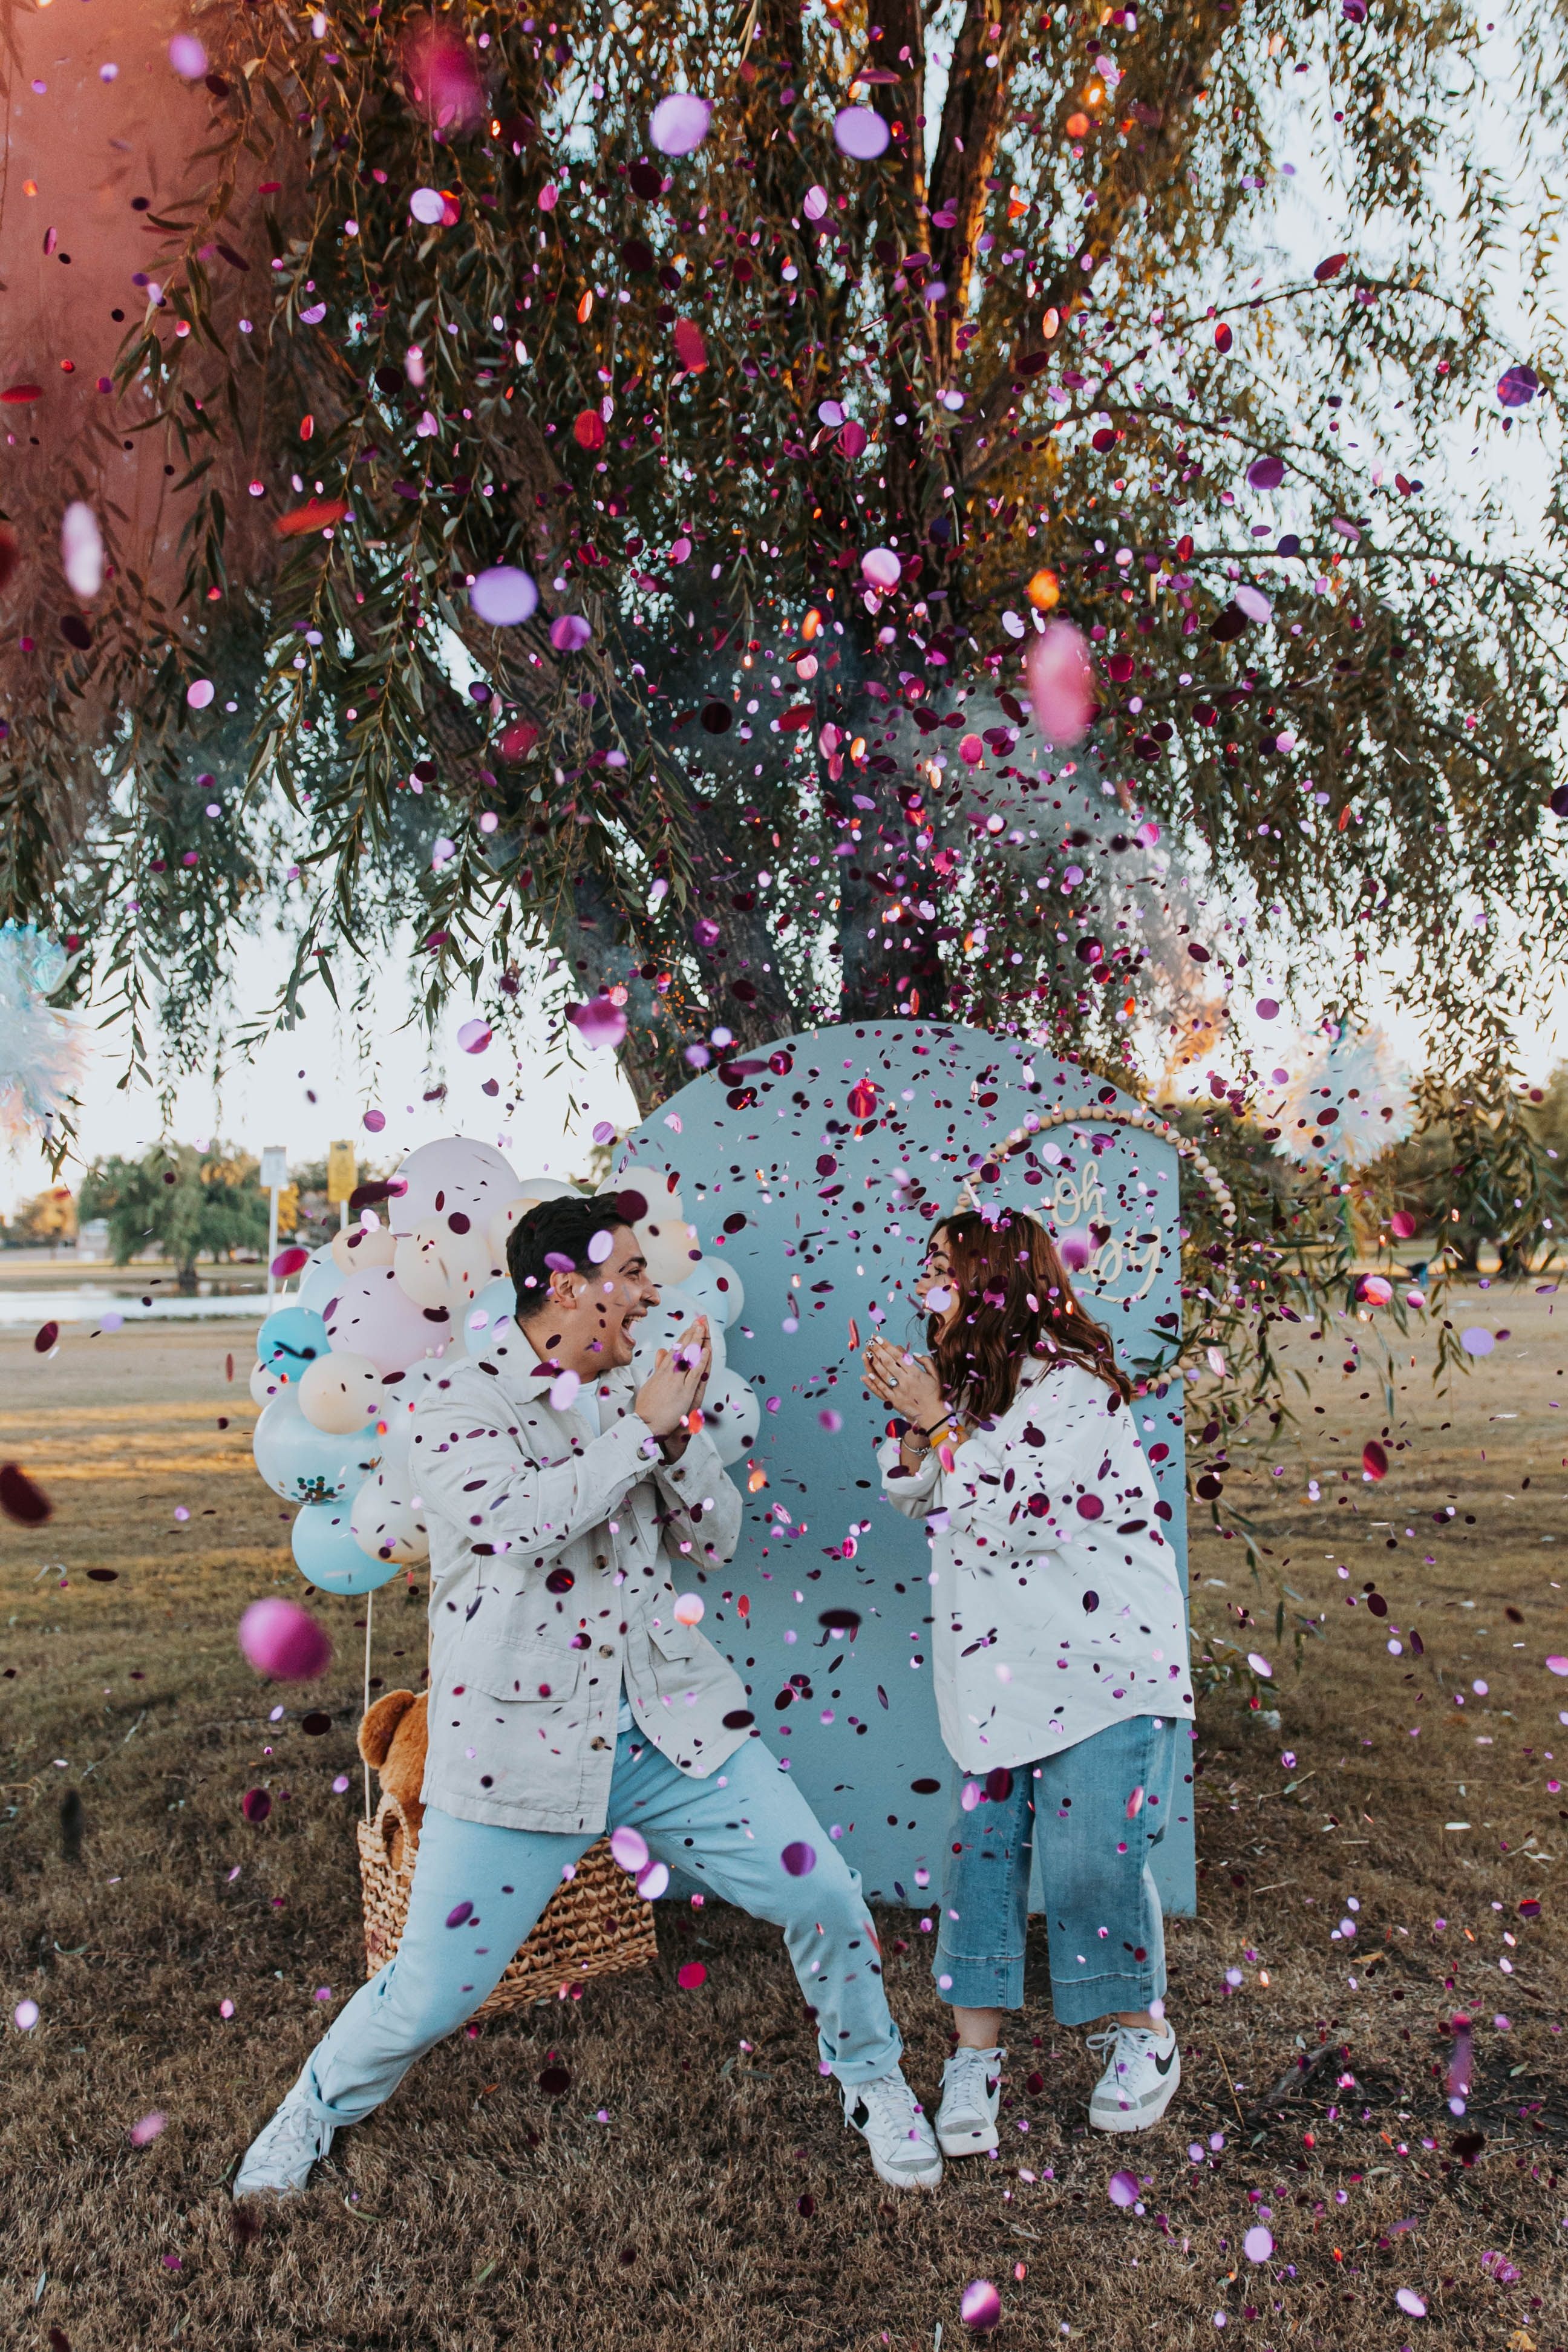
1060	1659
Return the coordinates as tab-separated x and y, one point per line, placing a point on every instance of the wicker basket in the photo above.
595	1925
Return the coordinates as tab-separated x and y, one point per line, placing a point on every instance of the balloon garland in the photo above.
384	1308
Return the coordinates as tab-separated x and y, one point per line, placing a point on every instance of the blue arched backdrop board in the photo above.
794	1185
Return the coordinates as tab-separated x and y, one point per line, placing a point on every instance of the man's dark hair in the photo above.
555	1232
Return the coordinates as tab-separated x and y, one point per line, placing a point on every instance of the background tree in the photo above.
182	1204
49	1217
1036	348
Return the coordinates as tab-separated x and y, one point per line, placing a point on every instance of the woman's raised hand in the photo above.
907	1384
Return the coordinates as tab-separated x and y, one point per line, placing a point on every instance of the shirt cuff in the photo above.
897	1481
701	1456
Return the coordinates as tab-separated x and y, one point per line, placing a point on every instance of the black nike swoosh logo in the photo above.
1164	2065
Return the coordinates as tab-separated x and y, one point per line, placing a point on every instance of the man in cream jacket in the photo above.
567	1696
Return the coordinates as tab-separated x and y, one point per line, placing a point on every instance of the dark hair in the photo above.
1014	1302
559	1230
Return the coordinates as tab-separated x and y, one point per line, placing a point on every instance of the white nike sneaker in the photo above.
277	2161
970	2089
1142	2073
896	2130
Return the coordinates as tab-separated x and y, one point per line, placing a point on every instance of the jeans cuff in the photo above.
871	2068
995	1981
1078	2000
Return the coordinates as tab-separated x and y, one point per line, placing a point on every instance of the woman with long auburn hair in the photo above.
1059	1658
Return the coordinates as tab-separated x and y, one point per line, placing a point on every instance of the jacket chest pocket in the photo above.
521	1716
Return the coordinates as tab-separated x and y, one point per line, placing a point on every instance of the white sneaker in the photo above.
970	2089
1142	2073
896	2130
277	2161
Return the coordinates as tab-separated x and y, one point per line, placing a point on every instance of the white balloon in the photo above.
266	1383
340	1393
374	1317
385	1524
530	1188
359	1247
320	1281
419	1266
657	1185
456	1178
731	1413
717	1288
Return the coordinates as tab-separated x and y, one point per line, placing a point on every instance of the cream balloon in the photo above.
340	1393
420	1266
670	1247
669	1244
387	1525
359	1247
499	1231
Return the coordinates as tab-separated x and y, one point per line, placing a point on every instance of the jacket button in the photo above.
605	1651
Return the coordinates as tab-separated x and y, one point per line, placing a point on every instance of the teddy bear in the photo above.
393	1737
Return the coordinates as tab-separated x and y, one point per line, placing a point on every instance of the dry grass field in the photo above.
693	2189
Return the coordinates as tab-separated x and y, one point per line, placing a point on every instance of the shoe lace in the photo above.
889	2101
964	2065
1105	2041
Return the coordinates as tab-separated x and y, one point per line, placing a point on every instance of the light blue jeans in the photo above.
478	1891
1102	1910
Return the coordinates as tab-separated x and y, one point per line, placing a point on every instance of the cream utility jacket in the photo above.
551	1553
1056	1599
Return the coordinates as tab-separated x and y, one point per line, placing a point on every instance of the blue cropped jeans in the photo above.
1097	1809
478	1890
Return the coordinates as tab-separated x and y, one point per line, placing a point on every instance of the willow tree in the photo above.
437	303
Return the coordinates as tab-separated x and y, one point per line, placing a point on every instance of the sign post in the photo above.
342	1175
274	1176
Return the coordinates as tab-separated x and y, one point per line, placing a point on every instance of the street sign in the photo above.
343	1173
274	1168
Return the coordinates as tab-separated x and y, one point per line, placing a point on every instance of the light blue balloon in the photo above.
498	1302
290	1338
306	1464
326	1555
319	1282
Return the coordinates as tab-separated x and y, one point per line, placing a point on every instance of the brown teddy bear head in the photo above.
393	1737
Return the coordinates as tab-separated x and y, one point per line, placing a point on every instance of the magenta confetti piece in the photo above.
629	1848
1061	682
861	133
980	2306
600	1022
284	1642
679	123
798	1858
690	1974
1123	2188
504	597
